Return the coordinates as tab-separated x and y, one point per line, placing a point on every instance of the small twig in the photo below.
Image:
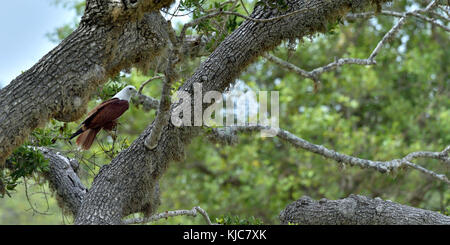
177	15
193	212
314	74
445	10
387	37
46	199
147	82
439	16
289	66
245	8
443	155
430	20
103	149
431	5
176	11
29	200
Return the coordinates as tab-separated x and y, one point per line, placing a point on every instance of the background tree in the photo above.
381	112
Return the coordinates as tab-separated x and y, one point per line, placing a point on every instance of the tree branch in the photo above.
193	212
314	74
380	166
147	82
64	180
387	37
357	210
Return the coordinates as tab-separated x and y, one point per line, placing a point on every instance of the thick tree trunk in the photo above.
357	210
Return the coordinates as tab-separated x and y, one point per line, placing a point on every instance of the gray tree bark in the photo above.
114	35
64	181
357	210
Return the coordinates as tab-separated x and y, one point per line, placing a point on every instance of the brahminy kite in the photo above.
103	116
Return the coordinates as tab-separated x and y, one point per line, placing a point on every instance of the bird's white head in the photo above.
126	93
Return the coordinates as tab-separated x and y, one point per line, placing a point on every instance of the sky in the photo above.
23	28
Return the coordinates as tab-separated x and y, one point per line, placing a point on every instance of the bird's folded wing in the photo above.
106	113
94	111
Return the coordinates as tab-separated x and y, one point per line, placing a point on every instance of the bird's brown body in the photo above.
103	116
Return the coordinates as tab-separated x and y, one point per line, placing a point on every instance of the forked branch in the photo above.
380	166
315	74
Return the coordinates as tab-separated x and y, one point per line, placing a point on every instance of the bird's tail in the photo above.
86	138
79	131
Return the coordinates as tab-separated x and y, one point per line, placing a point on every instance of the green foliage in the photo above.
177	84
190	5
236	220
111	88
25	162
216	28
28	162
232	23
447	211
333	28
60	33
